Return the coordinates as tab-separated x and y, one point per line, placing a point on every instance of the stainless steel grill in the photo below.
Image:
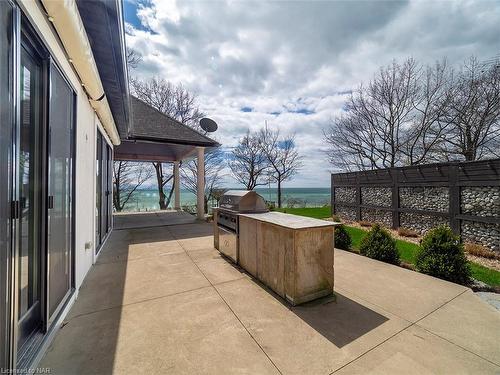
228	220
226	228
242	201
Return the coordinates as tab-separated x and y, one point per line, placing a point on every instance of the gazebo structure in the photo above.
154	136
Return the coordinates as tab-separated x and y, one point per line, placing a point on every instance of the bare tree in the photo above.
473	112
410	114
127	178
281	154
134	58
217	194
176	102
214	164
162	180
426	129
368	135
398	119
248	162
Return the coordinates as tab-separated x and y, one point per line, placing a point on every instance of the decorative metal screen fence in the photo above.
466	196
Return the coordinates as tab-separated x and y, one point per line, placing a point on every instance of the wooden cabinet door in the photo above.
273	242
248	245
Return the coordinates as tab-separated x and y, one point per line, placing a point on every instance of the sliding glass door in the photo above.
104	189
98	189
109	183
45	185
37	107
104	175
60	189
30	179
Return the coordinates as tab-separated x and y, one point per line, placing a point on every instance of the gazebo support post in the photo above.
200	207
177	187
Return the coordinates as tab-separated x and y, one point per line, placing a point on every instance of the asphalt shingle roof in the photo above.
150	124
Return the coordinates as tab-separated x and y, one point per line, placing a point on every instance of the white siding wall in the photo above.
86	125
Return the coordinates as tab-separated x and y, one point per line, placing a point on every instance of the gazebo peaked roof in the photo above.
150	124
154	136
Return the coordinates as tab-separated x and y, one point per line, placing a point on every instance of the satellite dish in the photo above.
208	125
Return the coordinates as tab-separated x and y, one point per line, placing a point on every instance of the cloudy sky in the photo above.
293	63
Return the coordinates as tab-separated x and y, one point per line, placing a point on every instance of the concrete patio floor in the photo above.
162	300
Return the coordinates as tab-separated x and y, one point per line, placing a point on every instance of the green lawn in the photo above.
356	235
485	274
407	250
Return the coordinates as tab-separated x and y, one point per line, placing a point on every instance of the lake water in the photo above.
147	200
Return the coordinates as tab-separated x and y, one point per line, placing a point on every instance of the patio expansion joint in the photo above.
460	346
138	302
231	310
412	324
127	260
395	314
228	281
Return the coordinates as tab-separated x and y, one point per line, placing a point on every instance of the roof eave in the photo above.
104	24
174	141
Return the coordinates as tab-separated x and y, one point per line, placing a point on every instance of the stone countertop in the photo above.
290	221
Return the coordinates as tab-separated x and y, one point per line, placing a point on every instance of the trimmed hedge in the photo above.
442	255
379	244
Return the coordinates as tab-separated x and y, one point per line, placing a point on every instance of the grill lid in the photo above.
243	201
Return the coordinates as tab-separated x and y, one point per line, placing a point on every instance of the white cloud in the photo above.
292	57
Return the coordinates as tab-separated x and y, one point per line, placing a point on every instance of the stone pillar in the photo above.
177	189
201	184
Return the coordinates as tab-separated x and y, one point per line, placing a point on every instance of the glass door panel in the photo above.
110	187
104	187
98	194
29	270
59	203
104	175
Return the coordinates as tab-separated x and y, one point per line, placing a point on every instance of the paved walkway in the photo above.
161	300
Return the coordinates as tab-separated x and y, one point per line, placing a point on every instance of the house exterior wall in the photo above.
62	157
87	124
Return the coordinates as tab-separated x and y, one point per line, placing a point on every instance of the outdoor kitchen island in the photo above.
292	255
